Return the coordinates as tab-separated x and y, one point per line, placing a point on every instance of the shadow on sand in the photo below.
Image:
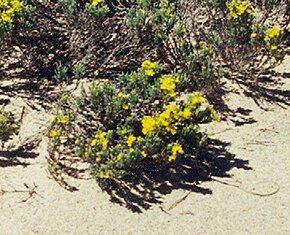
147	186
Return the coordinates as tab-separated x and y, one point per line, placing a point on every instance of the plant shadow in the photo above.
10	158
144	188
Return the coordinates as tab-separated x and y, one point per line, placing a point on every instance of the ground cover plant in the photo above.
153	64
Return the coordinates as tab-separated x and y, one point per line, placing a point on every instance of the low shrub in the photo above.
140	116
8	126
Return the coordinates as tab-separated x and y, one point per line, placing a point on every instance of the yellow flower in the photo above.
131	150
177	148
274	32
63	119
94	142
96	2
122	95
104	175
171	158
149	125
169	112
119	157
104	143
185	114
171	129
143	153
16	5
130	141
273	36
253	35
6	18
274	47
238	8
102	139
147	64
125	106
197	98
169	84
54	133
150	72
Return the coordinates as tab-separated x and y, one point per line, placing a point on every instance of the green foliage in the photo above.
154	18
7	125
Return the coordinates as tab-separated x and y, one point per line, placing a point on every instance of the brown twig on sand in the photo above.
248	191
177	202
30	190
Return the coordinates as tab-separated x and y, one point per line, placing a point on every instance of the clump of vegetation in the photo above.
7	126
139	117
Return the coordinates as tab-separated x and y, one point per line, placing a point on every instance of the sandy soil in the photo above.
249	192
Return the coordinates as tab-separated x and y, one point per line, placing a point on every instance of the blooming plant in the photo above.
272	39
239	9
134	125
14	12
8	10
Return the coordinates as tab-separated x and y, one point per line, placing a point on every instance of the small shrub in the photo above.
139	117
7	125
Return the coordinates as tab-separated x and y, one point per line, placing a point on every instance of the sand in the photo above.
249	192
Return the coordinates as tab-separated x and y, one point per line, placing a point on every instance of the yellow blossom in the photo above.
104	175
119	157
274	47
150	72
197	98
169	84
130	141
94	142
6	18
273	37
63	119
177	148
253	35
102	139
147	64
96	2
143	153
149	125
125	106
16	5
131	150
185	114
122	95
171	158
54	133
238	8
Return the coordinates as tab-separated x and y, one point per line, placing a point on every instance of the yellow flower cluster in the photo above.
273	37
238	8
123	96
169	85
101	138
104	175
149	67
197	98
174	116
130	141
175	150
54	133
167	121
8	8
